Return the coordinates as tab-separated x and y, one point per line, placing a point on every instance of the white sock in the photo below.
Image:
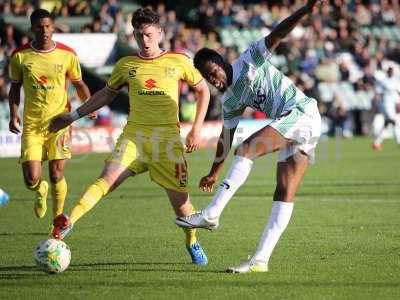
278	221
236	176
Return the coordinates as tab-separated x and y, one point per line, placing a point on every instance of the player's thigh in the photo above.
169	167
264	141
125	160
289	176
32	171
58	145
33	148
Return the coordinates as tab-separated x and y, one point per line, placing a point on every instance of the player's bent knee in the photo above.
31	181
244	151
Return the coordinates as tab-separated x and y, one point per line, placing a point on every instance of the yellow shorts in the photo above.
50	146
163	158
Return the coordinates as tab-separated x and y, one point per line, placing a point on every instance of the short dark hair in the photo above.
39	14
145	16
204	55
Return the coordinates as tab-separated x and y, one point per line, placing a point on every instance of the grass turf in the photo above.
343	241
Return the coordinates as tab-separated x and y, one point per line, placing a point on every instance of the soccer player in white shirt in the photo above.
252	81
390	87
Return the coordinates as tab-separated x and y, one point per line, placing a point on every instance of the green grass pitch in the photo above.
343	241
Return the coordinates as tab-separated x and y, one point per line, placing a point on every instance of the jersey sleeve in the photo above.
74	72
232	118
117	78
190	74
16	68
257	53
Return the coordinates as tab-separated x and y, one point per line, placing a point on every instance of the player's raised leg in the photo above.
58	185
182	206
112	176
264	141
289	176
32	171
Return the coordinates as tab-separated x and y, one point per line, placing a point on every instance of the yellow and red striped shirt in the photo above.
44	76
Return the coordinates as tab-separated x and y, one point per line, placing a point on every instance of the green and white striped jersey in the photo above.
258	84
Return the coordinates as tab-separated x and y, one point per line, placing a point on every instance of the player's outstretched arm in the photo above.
203	99
224	146
99	99
13	102
286	26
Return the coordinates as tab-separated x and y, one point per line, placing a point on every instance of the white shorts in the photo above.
303	126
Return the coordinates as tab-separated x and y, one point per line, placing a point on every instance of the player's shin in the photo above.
279	219
89	199
59	193
236	176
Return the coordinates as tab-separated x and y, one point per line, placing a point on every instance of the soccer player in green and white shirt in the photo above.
252	81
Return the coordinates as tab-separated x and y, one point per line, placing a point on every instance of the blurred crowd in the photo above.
353	42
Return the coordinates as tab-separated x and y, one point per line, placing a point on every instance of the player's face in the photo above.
148	37
216	75
43	30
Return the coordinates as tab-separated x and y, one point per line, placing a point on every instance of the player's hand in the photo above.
15	125
59	122
92	116
192	140
207	183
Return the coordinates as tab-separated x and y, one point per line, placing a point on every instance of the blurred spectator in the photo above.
344	71
340	117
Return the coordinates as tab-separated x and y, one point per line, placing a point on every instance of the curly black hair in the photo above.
145	16
205	55
38	14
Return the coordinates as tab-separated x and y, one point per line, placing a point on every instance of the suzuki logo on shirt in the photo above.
150	84
43	84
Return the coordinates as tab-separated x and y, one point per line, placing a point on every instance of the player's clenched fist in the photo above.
59	122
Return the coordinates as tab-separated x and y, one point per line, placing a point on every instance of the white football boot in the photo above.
197	220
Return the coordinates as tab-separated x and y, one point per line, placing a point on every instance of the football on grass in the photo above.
52	256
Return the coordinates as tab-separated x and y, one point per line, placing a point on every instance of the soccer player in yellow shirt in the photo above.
150	140
43	68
